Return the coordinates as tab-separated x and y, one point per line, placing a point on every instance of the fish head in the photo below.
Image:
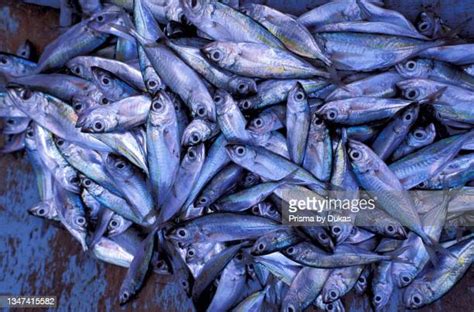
297	100
392	230
407	118
250	179
403	276
361	284
103	78
30	138
253	10
361	156
317	123
118	167
268	210
336	306
194	156
125	294
194	10
333	290
241	154
224	102
78	67
333	112
101	22
243	85
415	68
421	136
196	132
185	235
416	295
416	89
262	244
223	54
162	110
6	63
44	209
70	179
117	224
30	102
246	104
428	23
296	251
291	304
91	186
97	120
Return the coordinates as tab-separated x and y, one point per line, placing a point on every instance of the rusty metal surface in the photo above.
38	258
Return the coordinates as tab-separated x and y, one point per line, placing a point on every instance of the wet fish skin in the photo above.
272	63
112	87
230	119
186	176
223	23
220	78
15	66
270	119
118	116
290	32
198	131
318	153
163	148
298	123
415	140
393	134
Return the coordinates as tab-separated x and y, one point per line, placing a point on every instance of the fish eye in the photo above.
78	107
30	133
408	117
419	134
333	294
74	180
105	101
184	284
390	229
100	18
191	252
422	184
329	306
258	122
290	308
3	60
318	121
87	182
201	112
125	296
336	229
182	233
361	279
323	236
120	165
406	279
377	298
98	126
60	142
10	121
412	94
152	84
81	220
218	99
26	94
271	209
299	96
242	87
355	155
290	250
255	210
157	106
114	224
77	70
410	65
240	150
416	299
423	26
42	212
245	104
191	154
203	200
216	55
261	246
105	81
194	3
331	114
195	138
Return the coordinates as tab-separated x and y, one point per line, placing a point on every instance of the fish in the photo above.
189	139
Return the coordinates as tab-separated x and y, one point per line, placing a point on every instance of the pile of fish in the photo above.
166	137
